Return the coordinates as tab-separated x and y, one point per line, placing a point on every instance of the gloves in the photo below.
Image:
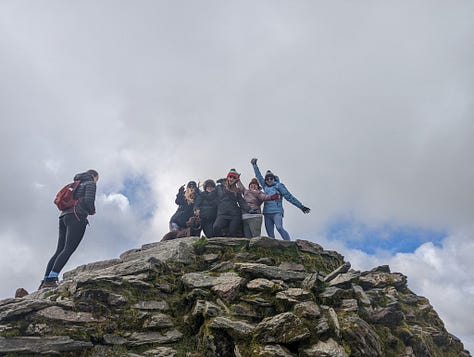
221	181
275	196
305	209
253	211
253	161
181	189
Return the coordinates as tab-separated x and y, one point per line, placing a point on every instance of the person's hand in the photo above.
253	211
181	189
253	161
197	212
275	196
305	209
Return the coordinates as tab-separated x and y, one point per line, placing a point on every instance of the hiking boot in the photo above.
49	283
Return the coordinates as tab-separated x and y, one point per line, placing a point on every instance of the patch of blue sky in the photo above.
138	191
387	237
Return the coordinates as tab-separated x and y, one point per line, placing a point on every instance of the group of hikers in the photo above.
230	209
227	208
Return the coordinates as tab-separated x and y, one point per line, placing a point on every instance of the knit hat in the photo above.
269	174
254	181
191	184
233	173
209	183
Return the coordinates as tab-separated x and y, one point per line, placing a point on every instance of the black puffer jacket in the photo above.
230	204
206	202
85	192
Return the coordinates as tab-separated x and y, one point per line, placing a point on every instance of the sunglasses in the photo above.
269	179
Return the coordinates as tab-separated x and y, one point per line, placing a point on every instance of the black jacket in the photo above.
206	202
184	211
230	204
85	192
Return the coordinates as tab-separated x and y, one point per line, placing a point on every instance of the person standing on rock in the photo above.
230	205
205	207
72	226
254	197
185	200
273	210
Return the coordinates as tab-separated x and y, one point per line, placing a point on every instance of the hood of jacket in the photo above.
84	176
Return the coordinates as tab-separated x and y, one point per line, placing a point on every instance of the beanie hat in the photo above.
209	183
191	184
269	174
255	182
233	173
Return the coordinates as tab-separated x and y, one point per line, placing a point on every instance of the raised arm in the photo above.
258	174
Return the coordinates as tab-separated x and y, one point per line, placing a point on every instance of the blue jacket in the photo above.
276	206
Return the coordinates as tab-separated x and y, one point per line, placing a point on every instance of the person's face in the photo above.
96	178
231	179
253	187
269	180
209	188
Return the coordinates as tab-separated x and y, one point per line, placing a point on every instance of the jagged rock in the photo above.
272	351
20	292
362	339
161	352
233	327
152	305
388	316
307	309
382	279
243	310
344	268
344	280
329	348
283	328
206	309
225	297
361	295
293	295
144	338
41	345
269	272
57	313
158	321
260	284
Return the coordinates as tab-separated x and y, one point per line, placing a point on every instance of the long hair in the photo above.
190	195
231	188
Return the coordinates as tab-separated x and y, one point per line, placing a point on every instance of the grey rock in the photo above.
235	328
344	280
360	336
57	313
161	352
152	305
42	345
344	268
361	295
307	309
293	295
260	284
269	272
158	321
272	351
111	339
329	348
206	309
283	328
349	305
143	338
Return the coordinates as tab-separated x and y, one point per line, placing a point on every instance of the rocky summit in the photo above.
225	297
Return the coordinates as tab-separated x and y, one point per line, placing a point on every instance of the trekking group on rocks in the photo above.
226	208
230	209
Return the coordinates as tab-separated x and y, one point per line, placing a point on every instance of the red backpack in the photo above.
65	197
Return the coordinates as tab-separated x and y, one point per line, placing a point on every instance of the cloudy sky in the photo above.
364	109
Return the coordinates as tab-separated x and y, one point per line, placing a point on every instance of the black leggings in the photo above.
71	231
230	226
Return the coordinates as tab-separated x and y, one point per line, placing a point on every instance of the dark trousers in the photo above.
230	226
207	227
71	231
